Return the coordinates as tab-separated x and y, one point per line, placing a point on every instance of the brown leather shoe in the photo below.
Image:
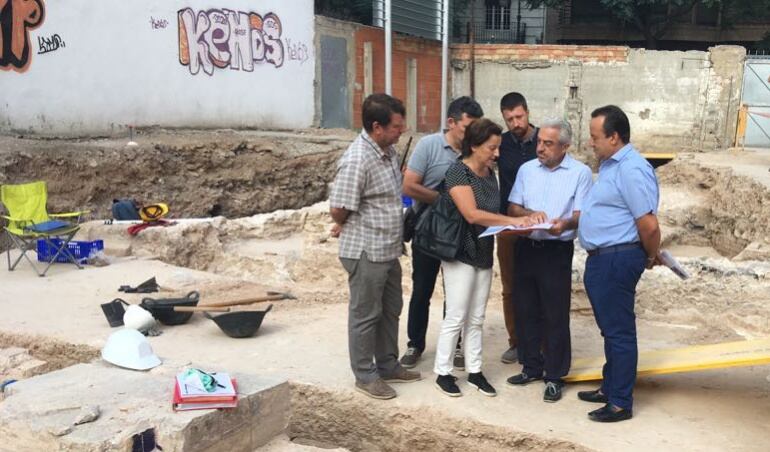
402	375
377	389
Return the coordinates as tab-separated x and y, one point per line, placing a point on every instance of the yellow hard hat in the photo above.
153	212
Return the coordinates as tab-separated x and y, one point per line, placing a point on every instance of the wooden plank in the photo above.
687	359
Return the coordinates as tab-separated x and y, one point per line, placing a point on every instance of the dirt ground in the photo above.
713	213
234	173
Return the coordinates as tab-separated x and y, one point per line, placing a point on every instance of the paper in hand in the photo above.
494	230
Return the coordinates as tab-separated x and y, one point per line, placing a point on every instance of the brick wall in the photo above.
525	52
428	56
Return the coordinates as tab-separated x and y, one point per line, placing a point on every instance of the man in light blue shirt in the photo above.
551	188
619	229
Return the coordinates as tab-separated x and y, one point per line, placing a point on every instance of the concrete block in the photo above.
131	402
29	368
11	357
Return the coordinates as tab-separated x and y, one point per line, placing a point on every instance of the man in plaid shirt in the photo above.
365	204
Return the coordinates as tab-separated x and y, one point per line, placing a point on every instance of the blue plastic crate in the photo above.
80	250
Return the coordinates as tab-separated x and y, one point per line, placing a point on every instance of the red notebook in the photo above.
202	403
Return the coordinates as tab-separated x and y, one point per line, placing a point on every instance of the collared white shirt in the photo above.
558	192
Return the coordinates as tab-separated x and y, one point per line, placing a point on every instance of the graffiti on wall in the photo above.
158	23
17	17
46	44
218	38
297	51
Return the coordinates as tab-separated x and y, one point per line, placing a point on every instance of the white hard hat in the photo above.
138	319
129	348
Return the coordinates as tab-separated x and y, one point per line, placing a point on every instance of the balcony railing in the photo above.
514	35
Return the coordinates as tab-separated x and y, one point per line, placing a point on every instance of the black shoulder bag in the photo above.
440	229
411	216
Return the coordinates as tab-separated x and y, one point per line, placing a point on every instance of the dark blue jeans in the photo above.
610	281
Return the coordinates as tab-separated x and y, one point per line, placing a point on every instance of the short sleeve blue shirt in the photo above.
625	191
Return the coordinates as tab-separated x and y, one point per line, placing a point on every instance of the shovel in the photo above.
271	296
201	309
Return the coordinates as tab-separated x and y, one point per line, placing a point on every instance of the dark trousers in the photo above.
610	280
424	273
505	251
542	289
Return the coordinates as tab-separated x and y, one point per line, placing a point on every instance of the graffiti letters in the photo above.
297	51
222	37
17	17
46	45
158	23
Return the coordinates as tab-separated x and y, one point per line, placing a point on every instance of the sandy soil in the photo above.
716	410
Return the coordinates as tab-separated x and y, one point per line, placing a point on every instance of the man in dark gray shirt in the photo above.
426	169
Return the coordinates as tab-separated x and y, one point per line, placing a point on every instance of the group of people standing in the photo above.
536	183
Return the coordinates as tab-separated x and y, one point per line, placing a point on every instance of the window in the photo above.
498	15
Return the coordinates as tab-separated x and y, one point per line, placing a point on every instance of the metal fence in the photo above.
758	54
516	34
756	102
418	18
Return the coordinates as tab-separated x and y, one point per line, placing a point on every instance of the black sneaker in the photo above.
552	391
411	357
521	379
480	382
447	385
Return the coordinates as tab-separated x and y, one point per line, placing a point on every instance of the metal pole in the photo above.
444	61
388	50
472	39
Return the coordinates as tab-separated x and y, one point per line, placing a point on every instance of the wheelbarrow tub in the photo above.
163	309
239	324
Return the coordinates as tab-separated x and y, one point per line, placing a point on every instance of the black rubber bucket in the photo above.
114	311
163	309
240	323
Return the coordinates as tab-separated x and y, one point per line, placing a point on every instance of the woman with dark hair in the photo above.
472	185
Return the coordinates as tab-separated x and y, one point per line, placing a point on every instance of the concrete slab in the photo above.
40	413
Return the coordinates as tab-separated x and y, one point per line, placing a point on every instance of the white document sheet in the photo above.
494	230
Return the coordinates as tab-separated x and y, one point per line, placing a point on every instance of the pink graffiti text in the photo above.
221	38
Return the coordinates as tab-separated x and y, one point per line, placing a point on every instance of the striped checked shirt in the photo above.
368	184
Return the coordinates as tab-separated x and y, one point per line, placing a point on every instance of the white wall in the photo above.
120	62
675	101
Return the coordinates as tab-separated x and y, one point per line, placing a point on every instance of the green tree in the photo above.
653	18
360	11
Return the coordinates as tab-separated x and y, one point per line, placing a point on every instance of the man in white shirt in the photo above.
549	189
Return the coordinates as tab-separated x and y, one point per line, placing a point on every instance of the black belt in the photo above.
555	243
615	248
